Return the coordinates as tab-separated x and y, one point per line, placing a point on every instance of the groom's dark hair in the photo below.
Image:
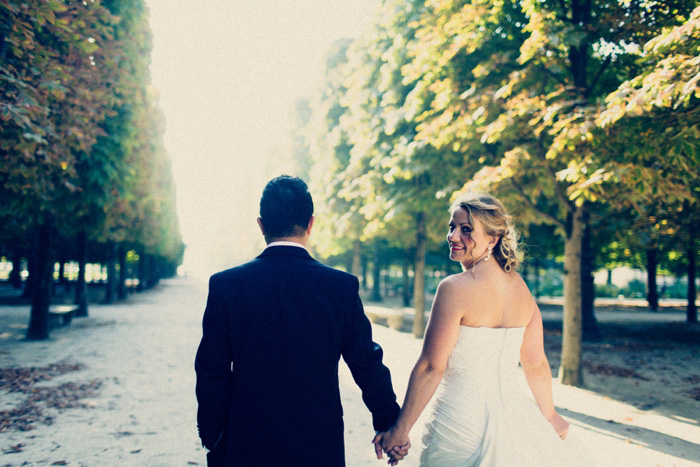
286	207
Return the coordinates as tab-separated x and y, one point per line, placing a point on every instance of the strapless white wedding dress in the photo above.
482	416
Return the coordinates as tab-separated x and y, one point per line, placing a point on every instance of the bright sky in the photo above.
229	72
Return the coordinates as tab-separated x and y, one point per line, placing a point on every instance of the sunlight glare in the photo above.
228	73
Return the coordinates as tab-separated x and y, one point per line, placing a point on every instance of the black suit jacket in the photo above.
274	330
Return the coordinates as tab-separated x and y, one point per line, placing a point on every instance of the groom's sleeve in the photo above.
364	358
213	368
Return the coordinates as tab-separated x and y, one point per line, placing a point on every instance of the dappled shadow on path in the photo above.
651	366
650	439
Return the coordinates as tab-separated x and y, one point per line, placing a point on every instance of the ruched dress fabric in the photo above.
482	416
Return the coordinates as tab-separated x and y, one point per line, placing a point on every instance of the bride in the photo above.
483	322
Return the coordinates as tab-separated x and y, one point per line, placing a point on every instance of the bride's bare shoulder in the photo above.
462	279
460	285
518	281
520	291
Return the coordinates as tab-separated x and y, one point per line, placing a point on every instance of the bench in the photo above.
62	313
380	315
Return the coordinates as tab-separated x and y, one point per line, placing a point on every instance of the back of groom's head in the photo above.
286	207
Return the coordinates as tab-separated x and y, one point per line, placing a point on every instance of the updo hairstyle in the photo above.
497	223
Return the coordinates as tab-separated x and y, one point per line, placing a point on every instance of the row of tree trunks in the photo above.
40	281
652	286
149	272
356	268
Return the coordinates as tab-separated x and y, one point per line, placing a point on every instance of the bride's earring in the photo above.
488	255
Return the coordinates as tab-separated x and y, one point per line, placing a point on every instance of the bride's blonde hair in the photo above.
497	222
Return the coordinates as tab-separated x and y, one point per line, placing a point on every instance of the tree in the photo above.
67	83
533	108
54	77
404	182
662	102
340	224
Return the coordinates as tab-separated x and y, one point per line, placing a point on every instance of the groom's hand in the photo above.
383	442
377	441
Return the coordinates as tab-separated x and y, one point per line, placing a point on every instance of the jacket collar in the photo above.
284	250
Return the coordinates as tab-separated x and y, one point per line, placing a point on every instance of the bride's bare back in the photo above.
491	297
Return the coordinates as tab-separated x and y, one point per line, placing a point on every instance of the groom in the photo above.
274	330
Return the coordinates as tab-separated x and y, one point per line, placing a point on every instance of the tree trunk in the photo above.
357	259
376	275
43	280
150	278
121	287
363	279
609	279
62	279
29	287
16	273
591	332
81	285
406	292
570	372
419	277
652	291
141	272
156	270
111	272
691	309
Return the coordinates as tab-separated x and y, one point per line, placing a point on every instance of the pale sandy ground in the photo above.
144	412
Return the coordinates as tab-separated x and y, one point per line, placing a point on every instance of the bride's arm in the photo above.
537	372
440	338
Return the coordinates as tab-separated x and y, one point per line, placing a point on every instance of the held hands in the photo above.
393	443
560	425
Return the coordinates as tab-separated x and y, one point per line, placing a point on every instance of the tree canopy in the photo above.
81	134
568	111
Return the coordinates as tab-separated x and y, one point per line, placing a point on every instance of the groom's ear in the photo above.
262	228
311	223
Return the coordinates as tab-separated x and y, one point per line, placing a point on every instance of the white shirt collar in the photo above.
283	243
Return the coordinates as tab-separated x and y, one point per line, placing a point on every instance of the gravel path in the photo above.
117	388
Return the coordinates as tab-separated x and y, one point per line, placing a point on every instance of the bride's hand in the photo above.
560	425
394	443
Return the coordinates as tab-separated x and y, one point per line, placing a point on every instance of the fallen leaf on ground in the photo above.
14	449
